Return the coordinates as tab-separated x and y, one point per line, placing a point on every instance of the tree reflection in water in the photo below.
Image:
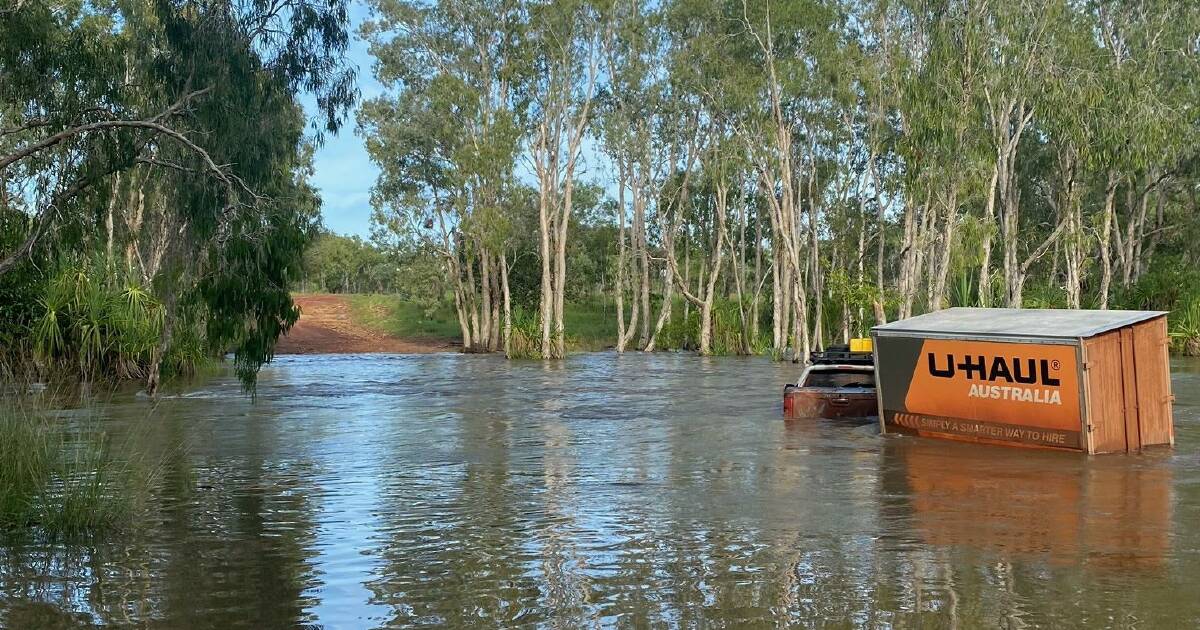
661	490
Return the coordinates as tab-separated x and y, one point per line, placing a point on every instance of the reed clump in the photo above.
61	479
1185	328
525	337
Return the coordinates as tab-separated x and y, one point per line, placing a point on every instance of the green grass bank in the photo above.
591	324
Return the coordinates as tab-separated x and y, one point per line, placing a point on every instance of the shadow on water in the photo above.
467	491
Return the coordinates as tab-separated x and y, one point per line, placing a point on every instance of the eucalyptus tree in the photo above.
770	145
880	40
1149	76
789	43
198	100
629	103
446	138
940	141
697	80
1073	127
1021	33
566	58
720	176
829	172
682	140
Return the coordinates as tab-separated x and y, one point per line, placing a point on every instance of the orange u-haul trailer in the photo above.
1091	381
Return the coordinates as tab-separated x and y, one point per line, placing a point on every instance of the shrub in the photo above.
1185	328
96	327
1171	287
683	333
99	326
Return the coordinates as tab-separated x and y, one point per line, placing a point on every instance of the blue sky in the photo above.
344	173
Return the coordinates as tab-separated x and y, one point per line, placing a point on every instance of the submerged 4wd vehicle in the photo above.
839	383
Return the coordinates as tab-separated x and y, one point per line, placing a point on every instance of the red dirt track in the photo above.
325	327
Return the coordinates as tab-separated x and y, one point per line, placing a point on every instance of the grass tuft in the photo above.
62	480
525	342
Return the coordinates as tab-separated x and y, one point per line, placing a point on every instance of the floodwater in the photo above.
633	491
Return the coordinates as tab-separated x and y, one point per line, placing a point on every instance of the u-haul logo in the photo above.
1019	384
1027	380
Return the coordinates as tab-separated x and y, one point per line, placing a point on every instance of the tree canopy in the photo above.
848	160
171	130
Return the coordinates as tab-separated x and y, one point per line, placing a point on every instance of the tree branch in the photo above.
1043	248
46	214
154	123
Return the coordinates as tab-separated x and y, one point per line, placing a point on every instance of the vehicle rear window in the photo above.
839	378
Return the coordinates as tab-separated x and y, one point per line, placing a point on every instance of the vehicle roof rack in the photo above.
841	354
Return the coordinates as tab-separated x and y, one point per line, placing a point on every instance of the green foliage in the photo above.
344	264
524	279
1185	327
96	327
189	352
1167	287
194	110
1040	295
592	248
1173	287
857	296
447	134
963	291
729	338
19	288
591	323
682	332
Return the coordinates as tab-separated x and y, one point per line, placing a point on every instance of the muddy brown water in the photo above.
665	490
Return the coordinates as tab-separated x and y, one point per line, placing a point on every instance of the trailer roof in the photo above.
1024	323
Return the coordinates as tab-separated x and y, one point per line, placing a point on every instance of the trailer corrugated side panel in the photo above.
1133	434
1128	375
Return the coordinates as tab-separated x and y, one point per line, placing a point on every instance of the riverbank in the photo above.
352	323
331	324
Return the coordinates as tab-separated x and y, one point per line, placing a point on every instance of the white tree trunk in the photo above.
1110	193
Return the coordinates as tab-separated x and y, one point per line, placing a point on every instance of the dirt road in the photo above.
326	327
